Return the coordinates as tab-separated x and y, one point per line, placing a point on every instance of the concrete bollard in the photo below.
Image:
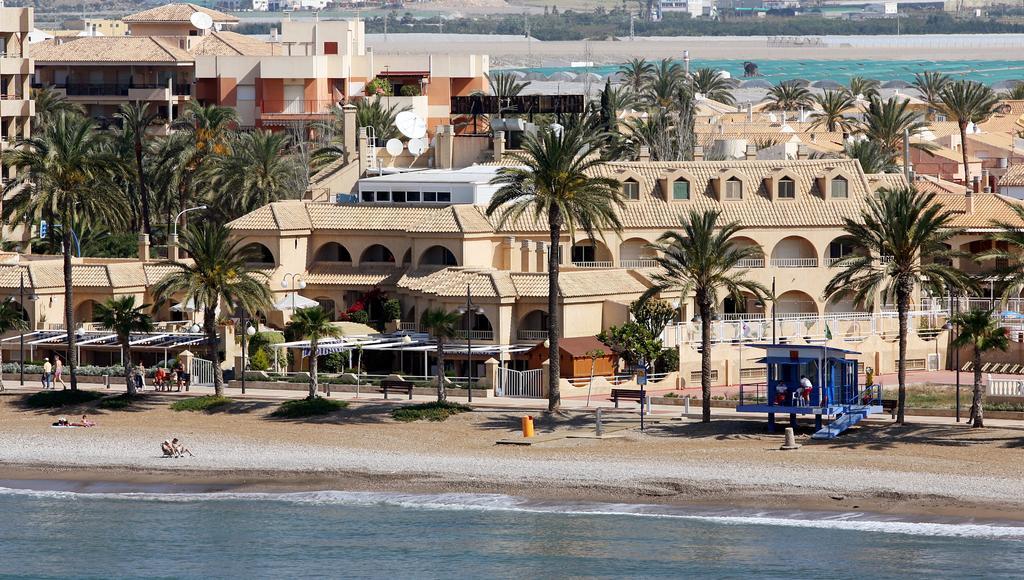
527	426
790	443
106	381
686	405
599	426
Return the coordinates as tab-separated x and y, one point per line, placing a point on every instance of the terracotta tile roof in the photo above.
224	43
330	275
177	13
886	180
931	184
288	215
988	207
139	49
453	281
10	276
1013	176
578	283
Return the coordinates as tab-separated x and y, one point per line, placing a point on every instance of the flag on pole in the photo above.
828	332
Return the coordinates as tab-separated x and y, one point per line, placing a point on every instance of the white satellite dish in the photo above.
201	20
417	146
394	147
411	125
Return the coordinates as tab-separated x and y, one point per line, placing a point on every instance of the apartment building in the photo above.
16	69
319	64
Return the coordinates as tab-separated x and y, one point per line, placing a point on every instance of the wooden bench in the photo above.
396	387
626	394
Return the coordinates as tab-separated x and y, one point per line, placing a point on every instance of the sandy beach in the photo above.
924	469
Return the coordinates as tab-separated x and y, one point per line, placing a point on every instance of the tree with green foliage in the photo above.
121	316
713	84
929	84
702	258
65	174
12	317
505	86
637	73
967	102
49	104
219	275
833	106
787	96
652	314
554	182
136	117
902	235
634	343
443	326
885	122
663	88
257	171
982	332
378	117
313	324
1015	94
861	87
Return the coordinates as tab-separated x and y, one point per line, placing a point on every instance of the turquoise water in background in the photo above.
985	71
350	534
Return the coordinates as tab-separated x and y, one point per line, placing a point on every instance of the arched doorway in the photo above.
333	252
377	254
794	252
438	256
259	255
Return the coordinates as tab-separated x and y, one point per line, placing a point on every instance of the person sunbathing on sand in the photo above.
180	448
167	448
85	422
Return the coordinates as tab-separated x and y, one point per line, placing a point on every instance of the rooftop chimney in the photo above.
986	182
698	153
969	202
645	153
751	151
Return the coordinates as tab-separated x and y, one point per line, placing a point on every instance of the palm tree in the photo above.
860	86
202	133
713	85
313	323
257	171
701	258
218	275
788	97
121	316
443	326
902	235
872	156
930	83
636	73
833	105
555	181
1016	93
63	174
373	113
886	121
663	88
979	330
135	119
12	317
49	104
967	102
505	85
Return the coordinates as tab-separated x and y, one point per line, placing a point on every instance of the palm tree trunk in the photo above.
129	380
976	402
554	318
313	380
69	302
143	194
902	306
210	325
704	303
963	150
441	394
2	369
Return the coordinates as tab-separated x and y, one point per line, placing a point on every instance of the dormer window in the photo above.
733	188
631	189
787	188
840	188
680	190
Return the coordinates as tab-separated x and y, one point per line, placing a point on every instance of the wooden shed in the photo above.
574	357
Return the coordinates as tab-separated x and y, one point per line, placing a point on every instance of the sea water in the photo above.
61	534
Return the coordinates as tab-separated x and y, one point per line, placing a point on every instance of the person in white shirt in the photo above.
805	388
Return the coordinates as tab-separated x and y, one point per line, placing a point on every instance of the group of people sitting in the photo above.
84	422
797	395
174	448
176	378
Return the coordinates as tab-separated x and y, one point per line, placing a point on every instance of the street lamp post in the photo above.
296	283
956	356
21	339
468	311
248	331
406	339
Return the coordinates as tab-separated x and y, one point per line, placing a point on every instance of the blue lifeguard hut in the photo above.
811	380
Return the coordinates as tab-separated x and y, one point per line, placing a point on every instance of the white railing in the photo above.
526	384
532	335
639	263
598	264
409	326
750	263
830	261
202	372
1005	387
476	334
794	262
886	259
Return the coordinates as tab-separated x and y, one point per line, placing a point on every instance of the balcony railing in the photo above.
597	264
794	262
476	334
409	326
532	335
296	107
639	263
117	89
750	263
